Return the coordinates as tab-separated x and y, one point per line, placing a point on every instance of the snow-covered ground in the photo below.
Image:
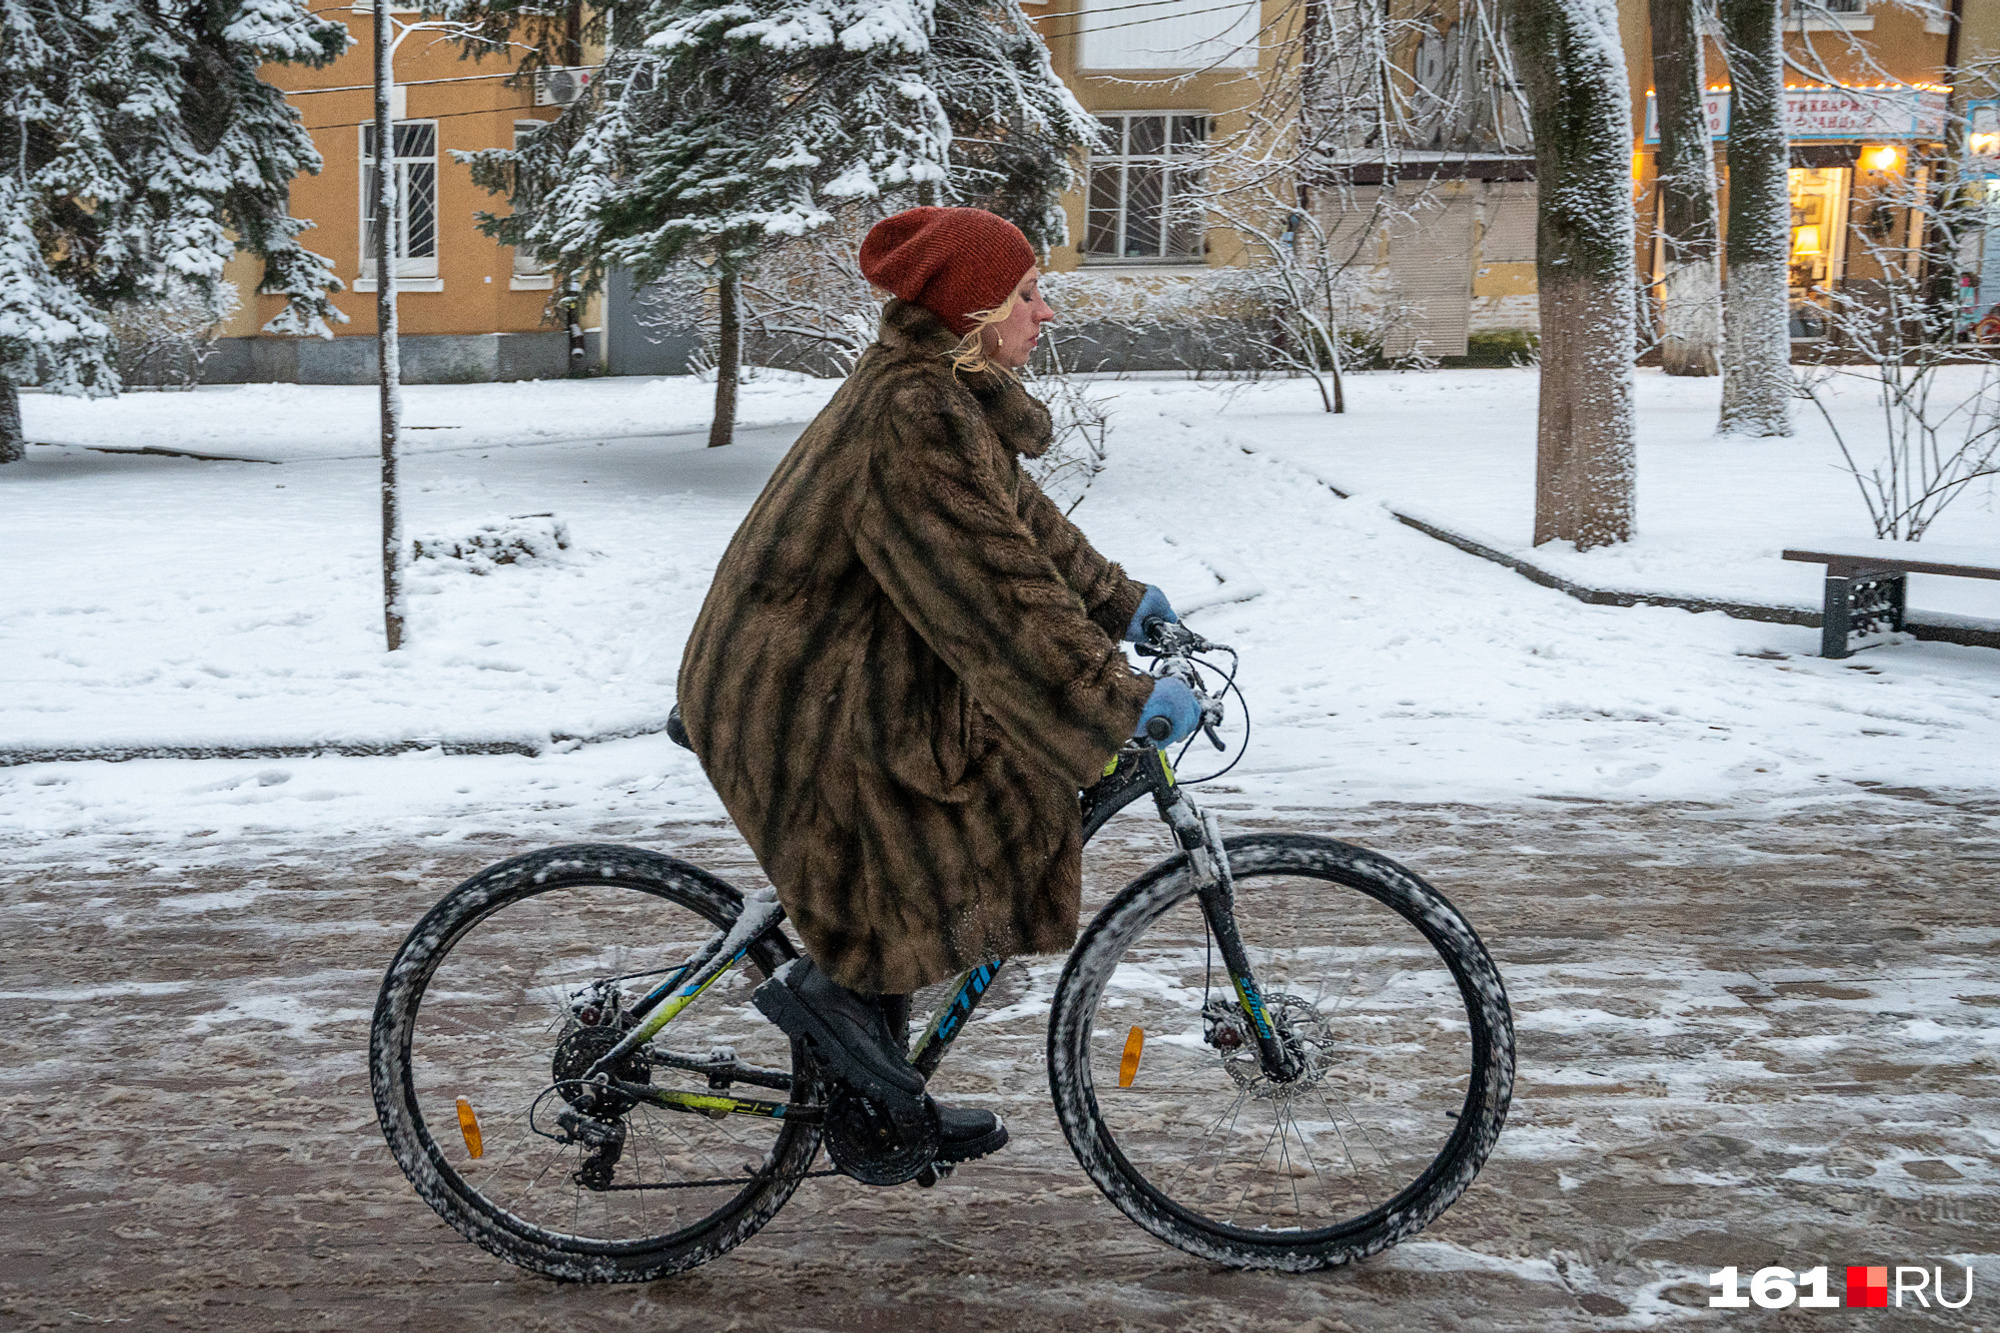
159	600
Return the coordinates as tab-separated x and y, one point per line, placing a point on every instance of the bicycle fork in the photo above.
1200	836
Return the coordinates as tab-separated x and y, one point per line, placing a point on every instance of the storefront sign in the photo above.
1833	113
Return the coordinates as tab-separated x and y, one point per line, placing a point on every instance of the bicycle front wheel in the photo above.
502	998
1379	986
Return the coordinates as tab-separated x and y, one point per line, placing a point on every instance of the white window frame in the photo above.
1168	35
1828	16
413	272
528	273
1125	167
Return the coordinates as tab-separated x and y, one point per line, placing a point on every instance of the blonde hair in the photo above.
970	354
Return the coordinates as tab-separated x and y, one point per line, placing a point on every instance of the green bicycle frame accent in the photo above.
760	914
1138	772
709	1103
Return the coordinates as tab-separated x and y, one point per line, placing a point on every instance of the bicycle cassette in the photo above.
874	1146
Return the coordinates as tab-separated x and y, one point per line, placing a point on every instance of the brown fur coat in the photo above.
906	669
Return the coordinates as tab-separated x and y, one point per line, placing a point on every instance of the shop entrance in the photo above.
1819	244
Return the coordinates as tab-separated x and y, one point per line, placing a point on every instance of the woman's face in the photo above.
1011	342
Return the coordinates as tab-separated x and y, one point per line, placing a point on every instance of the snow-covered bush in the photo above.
804	304
165	340
519	539
1082	422
1939	399
1210	322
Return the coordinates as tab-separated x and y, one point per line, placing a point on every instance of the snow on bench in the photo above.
1867	584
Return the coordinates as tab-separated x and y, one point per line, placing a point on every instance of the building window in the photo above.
529	270
415	242
1166	34
1139	208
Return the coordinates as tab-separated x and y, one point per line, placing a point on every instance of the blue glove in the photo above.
1176	703
1154	603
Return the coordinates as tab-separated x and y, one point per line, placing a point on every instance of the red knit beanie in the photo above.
951	261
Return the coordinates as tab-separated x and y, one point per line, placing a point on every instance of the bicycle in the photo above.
1332	1091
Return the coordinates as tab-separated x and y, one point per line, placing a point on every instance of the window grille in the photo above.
1139	205
414	243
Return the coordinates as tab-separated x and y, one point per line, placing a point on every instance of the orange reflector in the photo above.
468	1125
1128	1068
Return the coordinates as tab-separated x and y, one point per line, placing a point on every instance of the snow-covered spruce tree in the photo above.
1574	67
1757	381
1686	181
714	131
138	150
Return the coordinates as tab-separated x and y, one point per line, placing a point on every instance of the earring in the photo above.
999	342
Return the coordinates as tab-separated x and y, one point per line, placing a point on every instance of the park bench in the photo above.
1867	583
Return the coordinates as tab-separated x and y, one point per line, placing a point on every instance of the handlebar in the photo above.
1167	638
1174	643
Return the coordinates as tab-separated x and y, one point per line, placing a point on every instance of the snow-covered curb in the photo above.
524	743
1971	631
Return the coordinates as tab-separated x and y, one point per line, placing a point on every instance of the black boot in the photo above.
896	1013
966	1134
848	1032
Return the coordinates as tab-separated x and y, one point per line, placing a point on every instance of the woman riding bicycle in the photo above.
907	666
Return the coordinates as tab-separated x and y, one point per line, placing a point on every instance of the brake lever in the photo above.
1167	638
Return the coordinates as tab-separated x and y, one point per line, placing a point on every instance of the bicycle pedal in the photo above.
932	1174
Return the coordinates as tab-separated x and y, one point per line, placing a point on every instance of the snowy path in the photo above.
1748	1037
170	601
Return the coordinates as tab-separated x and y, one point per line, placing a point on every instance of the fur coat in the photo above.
907	668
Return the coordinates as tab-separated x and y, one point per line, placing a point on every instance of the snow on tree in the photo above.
138	150
1757	383
716	131
1686	181
1570	58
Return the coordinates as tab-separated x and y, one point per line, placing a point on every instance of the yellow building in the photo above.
468	308
1452	202
1867	134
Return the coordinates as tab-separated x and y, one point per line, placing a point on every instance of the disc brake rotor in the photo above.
1299	1025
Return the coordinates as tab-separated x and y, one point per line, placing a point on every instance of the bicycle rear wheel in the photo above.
499	1000
1384	991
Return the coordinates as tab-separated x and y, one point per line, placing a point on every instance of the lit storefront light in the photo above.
1882	157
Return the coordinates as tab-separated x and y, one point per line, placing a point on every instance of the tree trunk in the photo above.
728	359
13	440
1757	345
388	352
1686	180
1574	69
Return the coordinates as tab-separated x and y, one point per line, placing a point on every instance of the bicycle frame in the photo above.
1139	770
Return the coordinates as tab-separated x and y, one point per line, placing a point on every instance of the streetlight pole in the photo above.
388	356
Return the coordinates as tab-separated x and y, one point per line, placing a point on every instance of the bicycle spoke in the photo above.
1353	988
